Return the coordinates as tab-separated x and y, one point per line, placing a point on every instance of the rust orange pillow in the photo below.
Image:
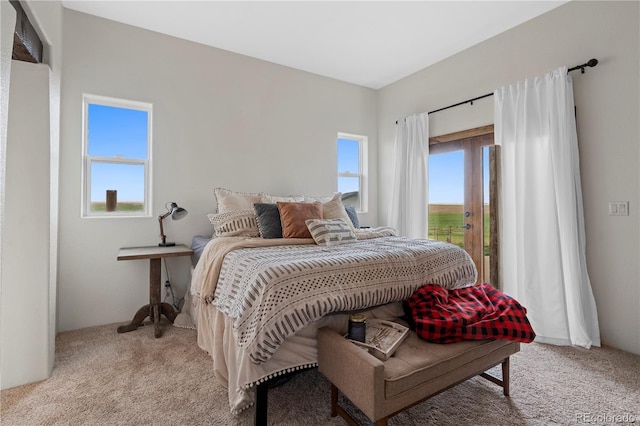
293	217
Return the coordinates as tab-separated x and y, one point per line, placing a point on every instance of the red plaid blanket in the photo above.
470	313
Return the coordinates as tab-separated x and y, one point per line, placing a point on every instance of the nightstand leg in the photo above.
168	311
137	320
156	308
154	293
156	321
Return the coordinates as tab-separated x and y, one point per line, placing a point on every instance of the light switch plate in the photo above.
618	208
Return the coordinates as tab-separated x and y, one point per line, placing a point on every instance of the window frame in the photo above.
89	160
363	142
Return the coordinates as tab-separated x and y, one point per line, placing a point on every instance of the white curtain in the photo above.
543	239
408	212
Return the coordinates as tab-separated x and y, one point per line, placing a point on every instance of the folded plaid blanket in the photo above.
470	313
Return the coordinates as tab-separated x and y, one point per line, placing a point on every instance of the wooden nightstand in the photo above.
155	308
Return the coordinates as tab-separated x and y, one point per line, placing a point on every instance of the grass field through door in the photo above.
445	224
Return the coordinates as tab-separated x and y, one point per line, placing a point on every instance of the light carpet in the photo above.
105	378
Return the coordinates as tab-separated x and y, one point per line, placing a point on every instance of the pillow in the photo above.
353	215
275	198
230	200
320	198
293	216
330	232
236	223
197	245
268	218
334	209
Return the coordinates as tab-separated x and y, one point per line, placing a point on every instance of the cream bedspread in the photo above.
221	316
205	275
274	291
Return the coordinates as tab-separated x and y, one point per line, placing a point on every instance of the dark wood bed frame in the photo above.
261	405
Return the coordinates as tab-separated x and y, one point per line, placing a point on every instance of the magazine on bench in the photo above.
383	338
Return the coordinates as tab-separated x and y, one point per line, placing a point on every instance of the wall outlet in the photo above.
618	208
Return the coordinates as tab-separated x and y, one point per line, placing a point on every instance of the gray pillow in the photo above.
197	245
268	217
351	212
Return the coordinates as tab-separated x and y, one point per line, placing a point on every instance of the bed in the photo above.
257	303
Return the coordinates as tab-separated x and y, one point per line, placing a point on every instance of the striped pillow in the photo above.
236	223
330	232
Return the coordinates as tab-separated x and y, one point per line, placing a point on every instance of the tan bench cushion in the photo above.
417	361
417	370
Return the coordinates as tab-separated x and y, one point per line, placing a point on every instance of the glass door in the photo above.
462	208
446	197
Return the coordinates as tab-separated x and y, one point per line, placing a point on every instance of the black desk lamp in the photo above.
176	213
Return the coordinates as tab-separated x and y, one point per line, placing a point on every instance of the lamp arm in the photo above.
160	219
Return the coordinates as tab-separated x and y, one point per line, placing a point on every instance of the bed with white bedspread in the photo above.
258	303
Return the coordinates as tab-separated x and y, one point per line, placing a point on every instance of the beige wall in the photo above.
220	120
608	115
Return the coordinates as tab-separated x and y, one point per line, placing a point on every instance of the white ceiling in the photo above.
369	43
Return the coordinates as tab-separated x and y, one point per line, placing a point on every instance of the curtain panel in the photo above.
542	236
408	212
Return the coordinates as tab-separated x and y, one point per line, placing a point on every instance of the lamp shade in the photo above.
176	213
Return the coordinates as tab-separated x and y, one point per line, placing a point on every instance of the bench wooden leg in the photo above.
336	409
504	383
505	377
334	400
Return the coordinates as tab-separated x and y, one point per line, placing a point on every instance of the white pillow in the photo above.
334	209
236	223
330	232
272	199
230	200
319	198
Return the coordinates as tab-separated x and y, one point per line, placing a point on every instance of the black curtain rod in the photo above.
590	63
469	101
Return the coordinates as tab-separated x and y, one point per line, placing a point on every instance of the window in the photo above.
352	170
117	157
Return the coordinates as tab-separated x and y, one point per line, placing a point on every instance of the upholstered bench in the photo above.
417	371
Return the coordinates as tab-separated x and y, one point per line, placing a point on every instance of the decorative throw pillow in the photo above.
330	232
334	209
268	218
353	215
236	223
230	200
294	215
